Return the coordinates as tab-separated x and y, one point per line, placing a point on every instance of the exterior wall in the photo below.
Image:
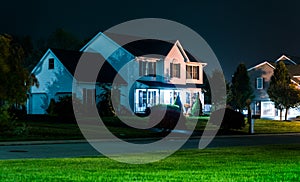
261	104
175	56
265	71
52	83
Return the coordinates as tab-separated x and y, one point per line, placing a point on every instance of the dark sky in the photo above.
237	31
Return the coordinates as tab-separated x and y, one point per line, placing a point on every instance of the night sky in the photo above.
237	31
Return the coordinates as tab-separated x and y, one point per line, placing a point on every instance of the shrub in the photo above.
231	119
6	122
62	109
197	107
170	119
8	125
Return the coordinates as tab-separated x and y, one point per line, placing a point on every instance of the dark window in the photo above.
259	83
192	72
175	70
51	64
147	68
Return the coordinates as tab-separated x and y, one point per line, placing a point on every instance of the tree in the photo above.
177	102
281	91
197	107
218	96
62	39
14	79
240	89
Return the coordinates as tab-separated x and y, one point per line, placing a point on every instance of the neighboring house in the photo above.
260	76
162	77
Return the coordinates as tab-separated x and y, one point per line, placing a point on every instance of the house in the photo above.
163	70
260	77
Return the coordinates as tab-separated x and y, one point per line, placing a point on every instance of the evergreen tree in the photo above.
240	89
177	102
281	91
197	107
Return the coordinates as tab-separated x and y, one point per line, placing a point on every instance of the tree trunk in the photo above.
286	112
280	115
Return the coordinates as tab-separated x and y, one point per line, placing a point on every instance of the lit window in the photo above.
147	68
175	70
259	83
51	64
192	72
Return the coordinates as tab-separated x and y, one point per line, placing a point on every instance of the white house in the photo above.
162	77
260	77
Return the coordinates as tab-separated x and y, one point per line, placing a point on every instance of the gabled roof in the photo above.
289	59
153	46
272	65
294	70
70	60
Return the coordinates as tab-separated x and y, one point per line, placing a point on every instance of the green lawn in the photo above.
263	163
42	130
274	126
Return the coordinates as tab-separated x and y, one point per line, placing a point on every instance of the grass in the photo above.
263	163
45	130
274	126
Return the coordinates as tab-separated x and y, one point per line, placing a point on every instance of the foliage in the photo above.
281	91
177	102
8	125
218	95
63	108
105	106
171	115
240	89
5	119
197	107
61	39
231	119
14	79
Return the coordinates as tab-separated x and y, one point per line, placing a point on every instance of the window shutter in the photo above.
198	72
178	70
171	70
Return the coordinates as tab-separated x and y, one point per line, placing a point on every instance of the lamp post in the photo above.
250	120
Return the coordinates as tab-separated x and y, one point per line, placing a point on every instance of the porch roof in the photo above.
158	84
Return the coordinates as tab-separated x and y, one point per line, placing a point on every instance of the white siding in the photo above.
51	82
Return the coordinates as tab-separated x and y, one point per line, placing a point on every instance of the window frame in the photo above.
147	68
192	72
259	83
175	70
51	63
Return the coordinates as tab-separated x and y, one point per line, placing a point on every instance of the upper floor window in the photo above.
259	83
147	68
192	72
175	70
51	64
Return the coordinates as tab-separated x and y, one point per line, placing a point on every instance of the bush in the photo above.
170	119
8	125
231	119
197	107
62	109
